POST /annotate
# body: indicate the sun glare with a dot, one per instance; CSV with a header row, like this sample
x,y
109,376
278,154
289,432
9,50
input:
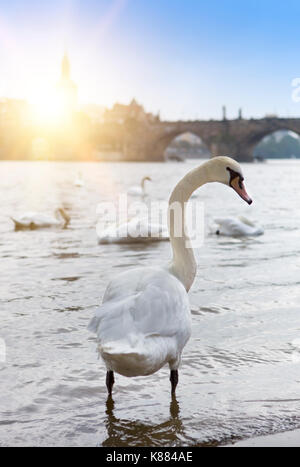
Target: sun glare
x,y
47,109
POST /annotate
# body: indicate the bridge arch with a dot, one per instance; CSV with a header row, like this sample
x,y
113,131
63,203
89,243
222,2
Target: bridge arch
x,y
263,144
236,138
186,145
159,145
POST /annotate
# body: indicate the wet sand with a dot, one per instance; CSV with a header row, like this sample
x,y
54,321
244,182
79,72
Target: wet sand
x,y
287,439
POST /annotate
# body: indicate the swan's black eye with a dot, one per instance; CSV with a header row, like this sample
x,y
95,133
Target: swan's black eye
x,y
233,175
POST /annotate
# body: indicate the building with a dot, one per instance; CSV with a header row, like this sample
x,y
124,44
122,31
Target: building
x,y
66,87
13,111
121,113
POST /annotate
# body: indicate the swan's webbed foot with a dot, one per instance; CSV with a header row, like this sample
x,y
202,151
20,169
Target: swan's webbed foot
x,y
174,380
110,381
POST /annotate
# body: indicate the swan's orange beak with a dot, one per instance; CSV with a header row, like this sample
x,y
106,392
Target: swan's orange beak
x,y
238,185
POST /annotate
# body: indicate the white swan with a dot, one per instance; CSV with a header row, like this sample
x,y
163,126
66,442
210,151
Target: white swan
x,y
79,182
237,227
135,231
145,321
36,220
139,190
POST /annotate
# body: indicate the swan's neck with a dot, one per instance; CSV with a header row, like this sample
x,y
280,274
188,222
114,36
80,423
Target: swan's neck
x,y
143,185
61,216
183,264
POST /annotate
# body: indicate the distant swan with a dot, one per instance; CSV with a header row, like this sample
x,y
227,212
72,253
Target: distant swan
x,y
79,182
139,190
36,220
135,231
237,227
144,321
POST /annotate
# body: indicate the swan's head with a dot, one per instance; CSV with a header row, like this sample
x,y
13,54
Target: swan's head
x,y
145,179
149,179
229,172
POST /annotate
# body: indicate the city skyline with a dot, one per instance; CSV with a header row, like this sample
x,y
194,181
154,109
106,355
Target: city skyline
x,y
182,59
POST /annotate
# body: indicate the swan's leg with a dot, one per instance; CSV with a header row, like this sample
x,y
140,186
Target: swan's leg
x,y
174,380
110,381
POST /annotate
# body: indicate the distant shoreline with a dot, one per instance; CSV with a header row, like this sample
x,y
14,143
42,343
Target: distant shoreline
x,y
200,159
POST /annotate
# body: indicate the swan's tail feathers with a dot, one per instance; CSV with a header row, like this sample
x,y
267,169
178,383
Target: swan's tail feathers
x,y
120,348
18,225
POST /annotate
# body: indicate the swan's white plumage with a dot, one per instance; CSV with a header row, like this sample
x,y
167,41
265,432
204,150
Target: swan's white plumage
x,y
39,220
34,218
79,182
144,322
139,190
237,227
135,231
135,191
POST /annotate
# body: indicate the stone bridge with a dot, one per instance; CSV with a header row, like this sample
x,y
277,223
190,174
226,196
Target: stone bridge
x,y
236,138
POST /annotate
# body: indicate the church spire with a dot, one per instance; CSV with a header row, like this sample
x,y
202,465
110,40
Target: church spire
x,y
67,89
65,67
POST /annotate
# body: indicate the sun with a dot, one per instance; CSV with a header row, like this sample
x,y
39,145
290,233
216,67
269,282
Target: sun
x,y
47,109
54,104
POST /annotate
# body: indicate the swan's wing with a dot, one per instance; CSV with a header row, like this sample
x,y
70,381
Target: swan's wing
x,y
135,190
142,228
25,220
246,221
134,230
35,219
119,234
42,220
156,307
230,226
237,227
255,228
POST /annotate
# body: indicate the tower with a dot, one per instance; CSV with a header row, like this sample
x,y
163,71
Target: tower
x,y
224,112
66,87
65,68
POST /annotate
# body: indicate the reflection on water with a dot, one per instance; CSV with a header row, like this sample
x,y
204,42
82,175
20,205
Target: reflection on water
x,y
240,370
122,432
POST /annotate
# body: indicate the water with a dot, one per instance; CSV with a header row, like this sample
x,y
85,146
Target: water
x,y
240,371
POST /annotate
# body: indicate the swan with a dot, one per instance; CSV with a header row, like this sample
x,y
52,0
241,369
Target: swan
x,y
139,190
79,182
144,321
36,220
237,227
135,231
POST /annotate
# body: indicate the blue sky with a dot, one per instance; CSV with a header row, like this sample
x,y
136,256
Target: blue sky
x,y
184,58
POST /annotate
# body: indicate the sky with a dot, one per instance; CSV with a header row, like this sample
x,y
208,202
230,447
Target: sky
x,y
182,58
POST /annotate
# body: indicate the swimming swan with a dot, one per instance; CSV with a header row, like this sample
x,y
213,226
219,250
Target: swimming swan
x,y
36,220
237,227
144,321
139,190
79,182
135,231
